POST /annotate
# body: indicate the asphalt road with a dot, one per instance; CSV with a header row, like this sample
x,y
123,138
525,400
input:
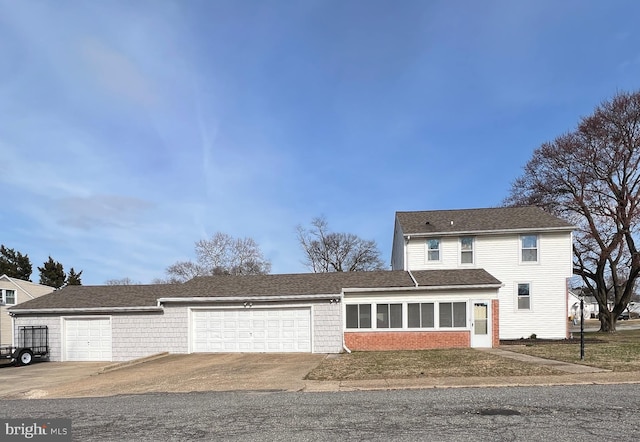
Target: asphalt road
x,y
587,412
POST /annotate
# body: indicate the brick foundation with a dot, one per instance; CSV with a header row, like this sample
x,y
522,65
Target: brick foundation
x,y
407,340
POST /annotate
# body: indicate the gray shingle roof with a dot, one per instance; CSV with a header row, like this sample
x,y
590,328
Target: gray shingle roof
x,y
478,220
87,296
427,278
294,284
330,284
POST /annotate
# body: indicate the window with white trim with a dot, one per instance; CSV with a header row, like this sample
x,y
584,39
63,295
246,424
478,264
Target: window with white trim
x,y
420,315
452,314
389,316
8,296
358,315
524,296
433,250
529,247
466,250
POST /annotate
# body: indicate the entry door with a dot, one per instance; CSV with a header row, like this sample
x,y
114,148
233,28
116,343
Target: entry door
x,y
481,324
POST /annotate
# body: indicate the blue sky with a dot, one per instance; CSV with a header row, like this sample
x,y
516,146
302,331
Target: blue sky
x,y
131,129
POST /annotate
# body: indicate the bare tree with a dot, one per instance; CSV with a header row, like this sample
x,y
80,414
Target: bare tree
x,y
591,177
337,252
221,254
122,281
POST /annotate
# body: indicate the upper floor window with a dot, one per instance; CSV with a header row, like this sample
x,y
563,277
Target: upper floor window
x,y
529,246
466,250
433,250
7,296
358,316
524,296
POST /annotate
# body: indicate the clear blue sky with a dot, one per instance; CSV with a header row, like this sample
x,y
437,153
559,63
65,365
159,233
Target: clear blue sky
x,y
131,129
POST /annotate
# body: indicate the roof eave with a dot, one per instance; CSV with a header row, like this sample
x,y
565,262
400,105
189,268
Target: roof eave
x,y
29,311
201,299
427,287
492,232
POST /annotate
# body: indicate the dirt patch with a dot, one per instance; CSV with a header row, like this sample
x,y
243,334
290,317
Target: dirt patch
x,y
425,363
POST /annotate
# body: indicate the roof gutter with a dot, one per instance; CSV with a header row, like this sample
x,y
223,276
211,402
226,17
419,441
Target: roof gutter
x,y
492,232
425,288
246,298
28,311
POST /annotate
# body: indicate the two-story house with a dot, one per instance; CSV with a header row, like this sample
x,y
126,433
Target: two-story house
x,y
528,250
460,278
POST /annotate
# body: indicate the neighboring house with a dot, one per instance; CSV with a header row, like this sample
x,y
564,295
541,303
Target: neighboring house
x,y
527,249
15,291
591,307
461,291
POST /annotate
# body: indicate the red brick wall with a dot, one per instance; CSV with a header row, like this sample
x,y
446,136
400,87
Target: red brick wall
x,y
407,340
495,322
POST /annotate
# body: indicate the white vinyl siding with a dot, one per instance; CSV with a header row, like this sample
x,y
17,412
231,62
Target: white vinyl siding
x,y
500,255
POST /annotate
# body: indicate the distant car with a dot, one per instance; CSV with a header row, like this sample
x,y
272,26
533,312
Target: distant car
x,y
625,315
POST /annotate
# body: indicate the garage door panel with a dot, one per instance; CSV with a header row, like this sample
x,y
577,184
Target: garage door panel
x,y
88,339
253,330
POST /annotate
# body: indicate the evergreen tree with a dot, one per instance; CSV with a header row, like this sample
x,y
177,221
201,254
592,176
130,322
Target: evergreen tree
x,y
15,264
73,278
52,274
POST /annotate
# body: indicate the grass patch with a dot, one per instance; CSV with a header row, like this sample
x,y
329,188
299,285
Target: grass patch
x,y
422,363
619,351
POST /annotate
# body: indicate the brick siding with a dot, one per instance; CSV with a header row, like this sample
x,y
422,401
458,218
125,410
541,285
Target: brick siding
x,y
408,340
495,323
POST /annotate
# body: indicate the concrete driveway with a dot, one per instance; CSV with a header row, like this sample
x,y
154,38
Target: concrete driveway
x,y
42,375
171,373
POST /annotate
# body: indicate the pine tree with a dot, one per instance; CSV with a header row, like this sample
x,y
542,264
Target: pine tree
x,y
52,274
73,278
15,264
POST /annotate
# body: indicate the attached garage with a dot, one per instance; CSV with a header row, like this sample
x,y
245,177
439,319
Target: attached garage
x,y
251,330
87,339
265,313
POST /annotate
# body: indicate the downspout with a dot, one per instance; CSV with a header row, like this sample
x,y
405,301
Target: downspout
x,y
406,252
344,307
406,259
412,278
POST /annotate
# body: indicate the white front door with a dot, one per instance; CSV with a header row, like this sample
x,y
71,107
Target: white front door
x,y
87,339
481,324
252,330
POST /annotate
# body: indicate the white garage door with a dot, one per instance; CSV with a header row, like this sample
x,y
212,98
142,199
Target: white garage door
x,y
252,330
87,339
